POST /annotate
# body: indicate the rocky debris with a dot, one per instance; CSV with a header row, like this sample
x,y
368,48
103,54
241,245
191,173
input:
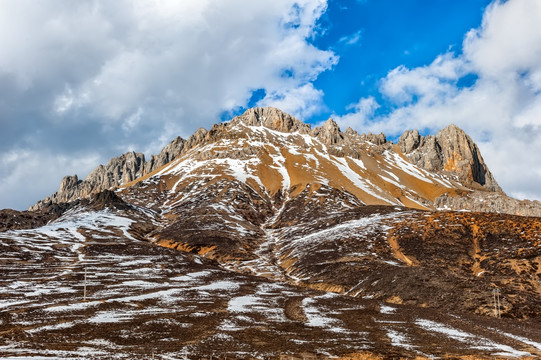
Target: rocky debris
x,y
451,151
17,220
274,119
482,201
145,301
412,257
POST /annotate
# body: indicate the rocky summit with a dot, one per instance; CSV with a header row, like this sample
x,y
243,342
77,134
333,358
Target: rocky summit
x,y
263,237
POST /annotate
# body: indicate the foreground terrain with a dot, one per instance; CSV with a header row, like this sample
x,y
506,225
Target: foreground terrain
x,y
143,299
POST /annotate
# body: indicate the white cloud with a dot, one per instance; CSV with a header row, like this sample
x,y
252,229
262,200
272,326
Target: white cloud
x,y
351,39
201,58
501,110
509,39
362,114
113,74
430,82
301,102
35,173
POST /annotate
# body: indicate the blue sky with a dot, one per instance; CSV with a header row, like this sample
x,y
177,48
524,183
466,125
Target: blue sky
x,y
374,37
81,82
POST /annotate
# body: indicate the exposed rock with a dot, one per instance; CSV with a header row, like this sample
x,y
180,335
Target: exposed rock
x,y
409,141
16,220
483,201
198,137
119,170
461,155
329,133
427,154
274,119
451,151
107,199
168,154
378,139
351,132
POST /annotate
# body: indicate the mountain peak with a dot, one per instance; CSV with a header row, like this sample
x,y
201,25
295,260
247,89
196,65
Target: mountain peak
x,y
450,150
329,132
274,119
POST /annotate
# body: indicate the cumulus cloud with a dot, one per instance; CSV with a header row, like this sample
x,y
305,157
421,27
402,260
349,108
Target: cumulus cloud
x,y
301,102
501,109
362,114
101,76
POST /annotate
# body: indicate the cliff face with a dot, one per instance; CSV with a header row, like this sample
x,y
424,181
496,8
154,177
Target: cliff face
x,y
168,154
274,119
451,151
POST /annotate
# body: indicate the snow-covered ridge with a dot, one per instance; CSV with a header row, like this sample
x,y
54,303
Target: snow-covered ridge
x,y
268,161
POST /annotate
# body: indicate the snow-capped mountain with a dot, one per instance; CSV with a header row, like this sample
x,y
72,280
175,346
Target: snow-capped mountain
x,y
263,237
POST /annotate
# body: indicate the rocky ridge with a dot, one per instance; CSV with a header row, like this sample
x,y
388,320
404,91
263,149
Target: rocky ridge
x,y
451,153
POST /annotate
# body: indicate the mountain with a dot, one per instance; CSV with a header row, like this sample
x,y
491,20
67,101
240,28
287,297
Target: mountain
x,y
263,237
444,171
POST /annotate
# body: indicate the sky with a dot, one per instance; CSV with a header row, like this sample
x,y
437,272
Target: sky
x,y
83,81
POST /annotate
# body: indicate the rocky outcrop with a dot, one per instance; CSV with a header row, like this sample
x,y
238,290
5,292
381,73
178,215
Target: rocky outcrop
x,y
107,199
274,119
376,139
483,201
329,133
17,220
119,170
450,151
168,154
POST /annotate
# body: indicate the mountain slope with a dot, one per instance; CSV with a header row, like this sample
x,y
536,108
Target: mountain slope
x,y
90,284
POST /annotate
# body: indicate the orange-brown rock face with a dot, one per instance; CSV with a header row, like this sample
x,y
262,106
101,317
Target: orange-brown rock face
x,y
452,151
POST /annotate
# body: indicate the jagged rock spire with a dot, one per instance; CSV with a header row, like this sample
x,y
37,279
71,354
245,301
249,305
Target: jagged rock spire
x,y
451,151
274,119
329,133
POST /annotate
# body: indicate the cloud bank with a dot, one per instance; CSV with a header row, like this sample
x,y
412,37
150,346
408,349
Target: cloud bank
x,y
134,74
